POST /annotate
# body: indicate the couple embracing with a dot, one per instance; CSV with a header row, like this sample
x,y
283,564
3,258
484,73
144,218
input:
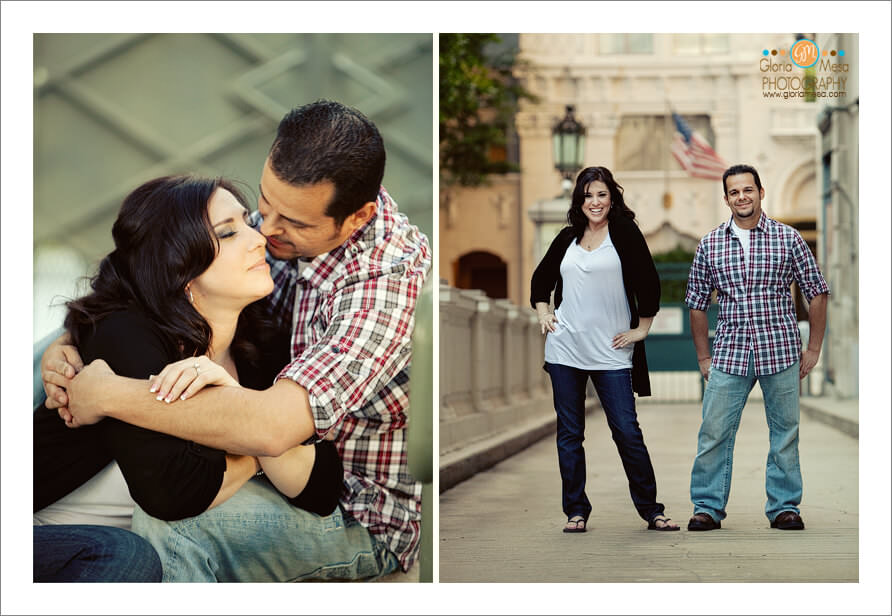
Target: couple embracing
x,y
247,373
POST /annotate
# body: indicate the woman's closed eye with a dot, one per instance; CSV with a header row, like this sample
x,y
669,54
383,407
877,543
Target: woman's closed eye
x,y
230,228
226,232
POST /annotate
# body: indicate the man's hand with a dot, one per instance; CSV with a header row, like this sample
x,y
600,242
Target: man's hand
x,y
59,364
704,365
85,393
807,361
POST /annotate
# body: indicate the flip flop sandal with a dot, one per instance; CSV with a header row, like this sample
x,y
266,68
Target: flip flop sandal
x,y
576,522
652,525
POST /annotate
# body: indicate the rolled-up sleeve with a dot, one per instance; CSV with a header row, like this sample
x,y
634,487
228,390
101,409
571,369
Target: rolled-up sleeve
x,y
364,347
805,270
699,286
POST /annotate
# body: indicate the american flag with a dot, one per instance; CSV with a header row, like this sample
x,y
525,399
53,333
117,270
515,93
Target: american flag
x,y
694,154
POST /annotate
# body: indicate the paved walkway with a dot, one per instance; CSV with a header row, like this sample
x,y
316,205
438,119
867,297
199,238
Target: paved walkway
x,y
504,525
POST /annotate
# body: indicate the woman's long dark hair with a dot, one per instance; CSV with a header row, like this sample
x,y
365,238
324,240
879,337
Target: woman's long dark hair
x,y
618,207
163,240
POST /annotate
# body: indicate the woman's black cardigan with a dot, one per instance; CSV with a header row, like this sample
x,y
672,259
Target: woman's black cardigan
x,y
640,278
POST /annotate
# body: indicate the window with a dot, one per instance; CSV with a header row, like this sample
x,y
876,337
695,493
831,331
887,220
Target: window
x,y
700,44
642,141
614,44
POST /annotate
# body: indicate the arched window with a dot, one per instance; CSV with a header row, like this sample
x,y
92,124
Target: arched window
x,y
482,270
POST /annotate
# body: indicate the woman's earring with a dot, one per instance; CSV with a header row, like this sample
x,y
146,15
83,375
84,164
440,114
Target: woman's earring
x,y
191,299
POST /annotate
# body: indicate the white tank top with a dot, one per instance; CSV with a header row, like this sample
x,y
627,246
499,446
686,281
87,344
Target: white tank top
x,y
104,500
594,310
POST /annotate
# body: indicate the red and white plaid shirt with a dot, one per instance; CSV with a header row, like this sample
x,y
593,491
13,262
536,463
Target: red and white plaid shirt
x,y
756,312
353,312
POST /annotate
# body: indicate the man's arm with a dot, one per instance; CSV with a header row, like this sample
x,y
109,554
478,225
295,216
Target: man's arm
x,y
700,334
817,322
697,298
814,287
234,419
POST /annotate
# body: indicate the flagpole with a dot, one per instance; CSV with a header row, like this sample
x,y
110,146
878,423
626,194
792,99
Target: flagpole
x,y
666,200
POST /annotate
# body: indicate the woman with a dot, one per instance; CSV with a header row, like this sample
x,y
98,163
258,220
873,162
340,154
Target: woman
x,y
178,298
606,293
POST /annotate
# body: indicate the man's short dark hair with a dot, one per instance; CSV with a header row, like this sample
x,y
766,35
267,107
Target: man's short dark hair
x,y
326,140
737,170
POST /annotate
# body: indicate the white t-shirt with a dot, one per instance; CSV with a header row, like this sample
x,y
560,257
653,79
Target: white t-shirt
x,y
103,500
744,236
594,310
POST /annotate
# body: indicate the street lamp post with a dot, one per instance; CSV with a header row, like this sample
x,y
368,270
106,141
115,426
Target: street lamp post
x,y
569,148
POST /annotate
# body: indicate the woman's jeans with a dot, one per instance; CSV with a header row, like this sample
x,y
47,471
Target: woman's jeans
x,y
88,553
614,388
723,403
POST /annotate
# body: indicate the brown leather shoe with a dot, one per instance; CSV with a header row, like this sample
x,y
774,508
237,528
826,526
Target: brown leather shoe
x,y
788,520
703,521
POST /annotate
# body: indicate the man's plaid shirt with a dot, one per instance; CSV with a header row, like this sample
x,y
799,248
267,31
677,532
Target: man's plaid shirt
x,y
352,312
756,312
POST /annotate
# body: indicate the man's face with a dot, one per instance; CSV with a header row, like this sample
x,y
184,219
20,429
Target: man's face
x,y
294,220
744,198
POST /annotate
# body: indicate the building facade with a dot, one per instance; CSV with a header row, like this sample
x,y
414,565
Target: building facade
x,y
742,92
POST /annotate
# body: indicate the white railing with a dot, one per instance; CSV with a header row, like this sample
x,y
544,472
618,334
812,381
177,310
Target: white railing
x,y
491,376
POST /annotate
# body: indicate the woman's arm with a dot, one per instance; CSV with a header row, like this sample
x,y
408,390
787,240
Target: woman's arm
x,y
547,319
288,472
547,273
647,287
169,477
633,335
239,470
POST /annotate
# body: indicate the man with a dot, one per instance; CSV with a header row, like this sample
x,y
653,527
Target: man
x,y
348,270
751,262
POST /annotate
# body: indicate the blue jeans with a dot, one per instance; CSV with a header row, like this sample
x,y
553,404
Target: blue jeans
x,y
87,553
614,388
723,402
257,536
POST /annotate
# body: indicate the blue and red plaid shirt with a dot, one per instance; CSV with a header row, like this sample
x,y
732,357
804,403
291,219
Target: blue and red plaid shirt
x,y
352,311
756,312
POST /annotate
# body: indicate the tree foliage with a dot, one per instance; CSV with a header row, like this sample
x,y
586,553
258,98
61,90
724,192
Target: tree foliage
x,y
674,284
478,99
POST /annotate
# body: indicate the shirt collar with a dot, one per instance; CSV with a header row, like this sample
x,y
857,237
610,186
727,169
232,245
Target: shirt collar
x,y
319,270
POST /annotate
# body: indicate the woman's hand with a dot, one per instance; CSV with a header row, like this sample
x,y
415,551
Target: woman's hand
x,y
630,337
184,378
547,321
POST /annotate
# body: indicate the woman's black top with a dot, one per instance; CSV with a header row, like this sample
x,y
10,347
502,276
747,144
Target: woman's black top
x,y
640,278
170,478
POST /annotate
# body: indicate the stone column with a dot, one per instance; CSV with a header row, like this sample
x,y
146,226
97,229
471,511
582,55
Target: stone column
x,y
478,350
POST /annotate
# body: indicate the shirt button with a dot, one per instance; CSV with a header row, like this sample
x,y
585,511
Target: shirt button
x,y
335,349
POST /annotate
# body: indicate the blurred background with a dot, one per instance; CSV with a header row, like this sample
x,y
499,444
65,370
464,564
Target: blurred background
x,y
114,110
522,114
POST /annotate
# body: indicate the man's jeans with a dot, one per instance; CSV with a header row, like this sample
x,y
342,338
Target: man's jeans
x,y
87,553
614,388
723,402
257,536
